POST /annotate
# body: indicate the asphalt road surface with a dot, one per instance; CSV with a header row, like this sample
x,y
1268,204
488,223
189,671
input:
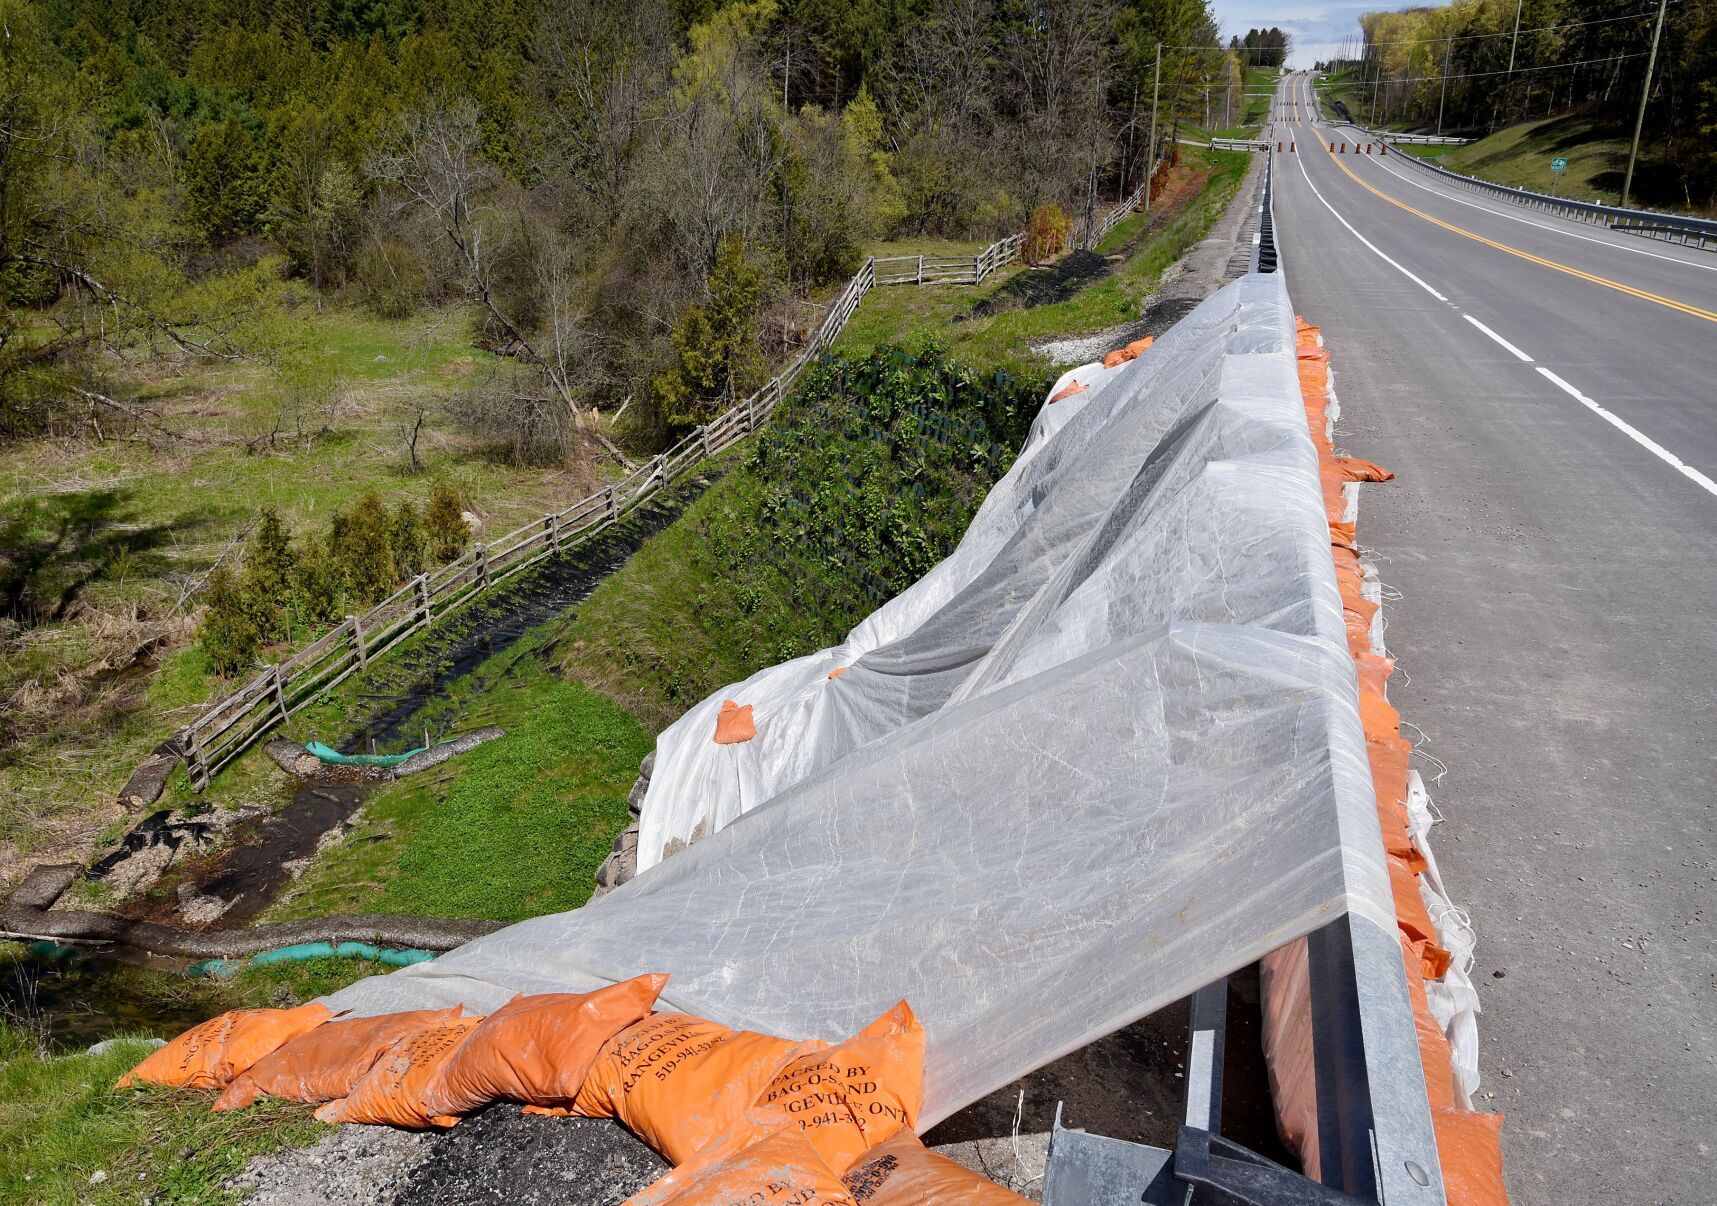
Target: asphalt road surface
x,y
1546,393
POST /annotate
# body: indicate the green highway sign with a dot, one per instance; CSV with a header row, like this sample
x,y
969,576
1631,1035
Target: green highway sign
x,y
1558,164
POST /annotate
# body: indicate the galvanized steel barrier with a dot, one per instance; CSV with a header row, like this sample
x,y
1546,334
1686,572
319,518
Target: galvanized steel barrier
x,y
1676,228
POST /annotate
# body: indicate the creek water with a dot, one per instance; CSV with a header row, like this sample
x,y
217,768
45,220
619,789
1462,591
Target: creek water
x,y
79,997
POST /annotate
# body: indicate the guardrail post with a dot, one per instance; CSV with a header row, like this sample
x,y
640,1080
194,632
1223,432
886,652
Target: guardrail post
x,y
423,598
358,646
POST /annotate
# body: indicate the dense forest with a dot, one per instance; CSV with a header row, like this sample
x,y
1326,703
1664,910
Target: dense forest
x,y
634,199
1571,56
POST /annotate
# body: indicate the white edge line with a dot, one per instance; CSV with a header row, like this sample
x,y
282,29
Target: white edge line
x,y
1498,338
1633,433
1374,249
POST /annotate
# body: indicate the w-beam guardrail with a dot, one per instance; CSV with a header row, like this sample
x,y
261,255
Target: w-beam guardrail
x,y
1675,228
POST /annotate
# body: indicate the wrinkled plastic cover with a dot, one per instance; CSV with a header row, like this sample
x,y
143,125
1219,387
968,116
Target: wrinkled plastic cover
x,y
1106,752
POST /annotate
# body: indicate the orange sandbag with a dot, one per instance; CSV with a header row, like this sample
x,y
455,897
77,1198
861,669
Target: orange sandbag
x,y
901,1171
1140,346
326,1062
210,1055
538,1048
1354,469
392,1092
733,724
1118,356
780,1169
1469,1146
855,1094
1067,391
682,1083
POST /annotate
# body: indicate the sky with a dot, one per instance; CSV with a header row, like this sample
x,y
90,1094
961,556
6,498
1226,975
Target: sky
x,y
1316,26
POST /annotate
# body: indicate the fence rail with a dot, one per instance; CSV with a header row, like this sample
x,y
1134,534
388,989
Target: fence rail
x,y
227,728
1091,235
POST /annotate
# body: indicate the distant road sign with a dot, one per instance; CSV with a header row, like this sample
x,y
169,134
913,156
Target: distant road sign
x,y
1558,164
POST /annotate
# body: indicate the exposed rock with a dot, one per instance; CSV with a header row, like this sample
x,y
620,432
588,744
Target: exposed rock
x,y
620,865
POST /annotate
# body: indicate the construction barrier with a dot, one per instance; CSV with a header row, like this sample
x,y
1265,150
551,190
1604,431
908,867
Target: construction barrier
x,y
1109,750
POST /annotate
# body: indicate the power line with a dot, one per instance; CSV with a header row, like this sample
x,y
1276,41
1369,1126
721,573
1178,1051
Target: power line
x,y
1473,75
1508,33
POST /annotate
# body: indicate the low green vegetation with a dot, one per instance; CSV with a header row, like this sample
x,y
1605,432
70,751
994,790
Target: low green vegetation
x,y
69,1136
867,477
510,830
1519,156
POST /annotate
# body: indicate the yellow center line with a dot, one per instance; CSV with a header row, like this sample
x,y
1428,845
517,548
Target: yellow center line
x,y
1605,281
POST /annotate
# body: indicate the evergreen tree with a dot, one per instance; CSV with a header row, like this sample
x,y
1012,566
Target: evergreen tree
x,y
266,582
230,636
447,532
409,554
716,343
223,177
362,549
317,590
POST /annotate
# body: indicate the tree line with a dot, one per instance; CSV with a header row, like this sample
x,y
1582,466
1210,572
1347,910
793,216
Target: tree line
x,y
635,198
1571,56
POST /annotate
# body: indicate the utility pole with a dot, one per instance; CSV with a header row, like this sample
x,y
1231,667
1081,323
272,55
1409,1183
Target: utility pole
x,y
1645,92
1512,46
1151,162
1448,45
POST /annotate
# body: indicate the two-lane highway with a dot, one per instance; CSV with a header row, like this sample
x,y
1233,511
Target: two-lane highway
x,y
1546,392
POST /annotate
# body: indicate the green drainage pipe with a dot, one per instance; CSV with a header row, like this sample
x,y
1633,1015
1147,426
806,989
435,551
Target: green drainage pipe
x,y
298,952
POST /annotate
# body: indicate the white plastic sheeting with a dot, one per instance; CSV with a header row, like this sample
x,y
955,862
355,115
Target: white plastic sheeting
x,y
1106,752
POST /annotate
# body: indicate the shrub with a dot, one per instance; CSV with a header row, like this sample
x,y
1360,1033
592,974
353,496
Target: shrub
x,y
1046,236
266,582
446,531
230,635
409,557
317,590
359,540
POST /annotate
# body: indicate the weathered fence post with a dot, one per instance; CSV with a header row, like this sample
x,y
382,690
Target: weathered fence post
x,y
551,525
358,641
195,762
920,279
423,598
279,692
703,438
483,564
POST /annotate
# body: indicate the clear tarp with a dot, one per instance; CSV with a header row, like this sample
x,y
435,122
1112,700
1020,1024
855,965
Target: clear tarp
x,y
1104,753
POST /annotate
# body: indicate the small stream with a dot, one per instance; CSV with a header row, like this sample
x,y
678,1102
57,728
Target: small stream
x,y
79,997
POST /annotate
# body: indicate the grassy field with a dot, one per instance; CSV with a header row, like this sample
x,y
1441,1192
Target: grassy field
x,y
514,829
319,424
1520,156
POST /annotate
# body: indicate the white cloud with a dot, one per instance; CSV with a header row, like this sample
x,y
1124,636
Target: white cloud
x,y
1317,29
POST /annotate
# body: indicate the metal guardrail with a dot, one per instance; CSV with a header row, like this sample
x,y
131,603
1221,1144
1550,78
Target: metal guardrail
x,y
1420,140
1239,144
1689,231
1264,254
227,728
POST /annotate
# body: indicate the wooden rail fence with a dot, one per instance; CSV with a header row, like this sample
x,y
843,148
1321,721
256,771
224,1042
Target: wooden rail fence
x,y
229,727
